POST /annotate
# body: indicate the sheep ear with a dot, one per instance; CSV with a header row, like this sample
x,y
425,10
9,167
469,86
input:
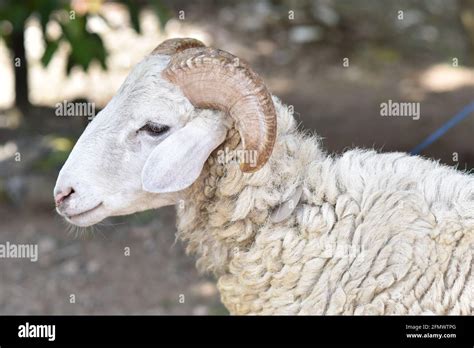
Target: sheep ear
x,y
178,160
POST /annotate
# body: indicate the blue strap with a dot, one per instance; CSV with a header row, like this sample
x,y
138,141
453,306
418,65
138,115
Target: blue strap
x,y
444,128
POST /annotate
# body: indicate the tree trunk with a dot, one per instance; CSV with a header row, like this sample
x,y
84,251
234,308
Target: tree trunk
x,y
20,70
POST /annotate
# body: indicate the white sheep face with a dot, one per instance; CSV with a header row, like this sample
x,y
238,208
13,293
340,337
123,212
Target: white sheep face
x,y
139,152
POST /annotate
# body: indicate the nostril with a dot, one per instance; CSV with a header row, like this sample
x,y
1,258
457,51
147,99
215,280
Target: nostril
x,y
63,195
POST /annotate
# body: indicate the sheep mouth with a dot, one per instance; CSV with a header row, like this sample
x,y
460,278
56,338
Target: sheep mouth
x,y
84,213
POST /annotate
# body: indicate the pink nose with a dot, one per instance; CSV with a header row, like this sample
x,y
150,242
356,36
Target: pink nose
x,y
63,195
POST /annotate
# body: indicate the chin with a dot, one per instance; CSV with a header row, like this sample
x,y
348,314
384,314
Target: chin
x,y
88,218
83,221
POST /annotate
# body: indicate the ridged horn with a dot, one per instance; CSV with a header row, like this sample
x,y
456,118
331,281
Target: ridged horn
x,y
172,46
215,79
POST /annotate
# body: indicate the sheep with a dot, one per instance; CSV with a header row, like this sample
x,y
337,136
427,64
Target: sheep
x,y
285,227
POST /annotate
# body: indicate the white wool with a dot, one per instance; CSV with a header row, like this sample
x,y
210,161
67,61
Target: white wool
x,y
371,234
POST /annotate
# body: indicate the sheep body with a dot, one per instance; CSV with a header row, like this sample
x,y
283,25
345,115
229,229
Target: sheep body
x,y
371,234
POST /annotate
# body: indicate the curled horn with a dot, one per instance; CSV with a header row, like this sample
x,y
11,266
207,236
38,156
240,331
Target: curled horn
x,y
215,79
172,46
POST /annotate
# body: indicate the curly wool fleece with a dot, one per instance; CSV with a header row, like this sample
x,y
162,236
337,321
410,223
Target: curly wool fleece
x,y
372,233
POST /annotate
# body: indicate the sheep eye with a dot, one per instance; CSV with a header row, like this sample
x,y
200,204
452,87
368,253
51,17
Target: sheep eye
x,y
154,129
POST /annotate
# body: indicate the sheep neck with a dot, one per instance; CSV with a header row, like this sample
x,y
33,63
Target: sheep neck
x,y
223,212
203,215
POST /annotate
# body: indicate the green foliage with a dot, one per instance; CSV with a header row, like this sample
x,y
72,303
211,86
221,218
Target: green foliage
x,y
51,47
53,161
59,149
162,12
85,45
134,15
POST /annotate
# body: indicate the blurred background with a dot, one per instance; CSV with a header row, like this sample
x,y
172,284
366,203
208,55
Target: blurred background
x,y
334,61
